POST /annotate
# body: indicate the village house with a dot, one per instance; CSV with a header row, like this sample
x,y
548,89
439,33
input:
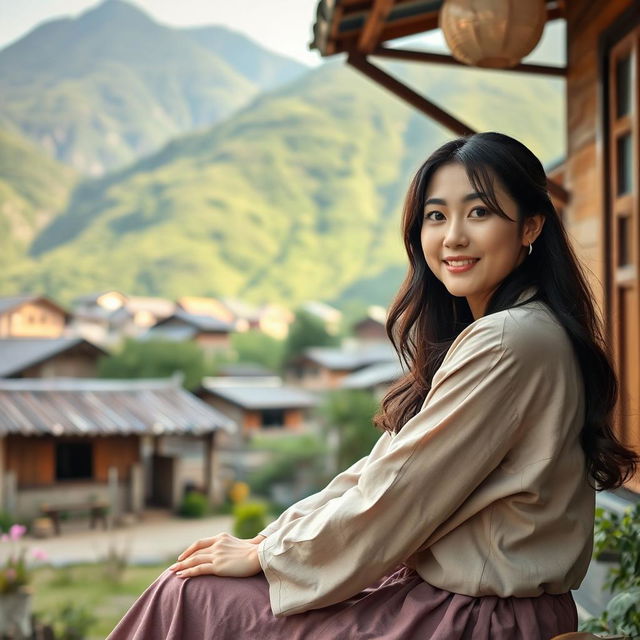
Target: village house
x,y
372,327
31,316
324,368
376,378
109,316
210,334
70,444
49,358
258,403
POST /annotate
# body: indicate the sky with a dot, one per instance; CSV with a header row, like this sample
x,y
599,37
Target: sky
x,y
288,23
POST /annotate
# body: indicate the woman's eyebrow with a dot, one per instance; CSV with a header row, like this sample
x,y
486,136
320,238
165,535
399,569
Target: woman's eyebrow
x,y
469,196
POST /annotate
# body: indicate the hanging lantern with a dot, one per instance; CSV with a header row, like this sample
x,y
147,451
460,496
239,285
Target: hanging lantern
x,y
492,33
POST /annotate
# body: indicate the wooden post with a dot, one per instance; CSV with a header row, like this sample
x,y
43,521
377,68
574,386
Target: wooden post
x,y
212,471
2,466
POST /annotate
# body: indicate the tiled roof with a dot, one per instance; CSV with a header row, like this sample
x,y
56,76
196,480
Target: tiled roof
x,y
16,354
72,406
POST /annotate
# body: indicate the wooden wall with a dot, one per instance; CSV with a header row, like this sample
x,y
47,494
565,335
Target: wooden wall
x,y
32,459
589,175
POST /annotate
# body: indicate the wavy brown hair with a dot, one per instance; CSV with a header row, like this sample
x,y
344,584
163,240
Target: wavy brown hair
x,y
424,318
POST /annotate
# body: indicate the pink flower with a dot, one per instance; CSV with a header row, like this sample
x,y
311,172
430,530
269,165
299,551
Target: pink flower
x,y
17,531
39,554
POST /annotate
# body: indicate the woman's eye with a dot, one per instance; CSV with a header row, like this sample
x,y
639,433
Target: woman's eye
x,y
428,215
484,211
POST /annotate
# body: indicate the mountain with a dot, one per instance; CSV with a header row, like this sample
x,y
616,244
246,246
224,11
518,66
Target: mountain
x,y
112,85
33,188
296,196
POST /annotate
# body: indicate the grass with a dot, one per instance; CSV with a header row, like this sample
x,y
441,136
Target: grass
x,y
86,586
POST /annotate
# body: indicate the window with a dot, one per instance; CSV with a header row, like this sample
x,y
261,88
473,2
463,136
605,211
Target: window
x,y
74,460
272,418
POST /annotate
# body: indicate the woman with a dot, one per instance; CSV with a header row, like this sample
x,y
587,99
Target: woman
x,y
472,517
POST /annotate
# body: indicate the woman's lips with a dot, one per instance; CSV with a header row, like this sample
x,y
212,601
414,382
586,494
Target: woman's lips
x,y
462,268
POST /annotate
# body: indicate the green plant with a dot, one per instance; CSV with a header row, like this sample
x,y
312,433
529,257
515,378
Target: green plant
x,y
115,563
194,505
6,520
14,570
618,536
290,455
72,621
249,519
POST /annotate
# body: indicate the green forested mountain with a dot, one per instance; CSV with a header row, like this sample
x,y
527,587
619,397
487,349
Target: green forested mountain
x,y
33,188
112,85
296,196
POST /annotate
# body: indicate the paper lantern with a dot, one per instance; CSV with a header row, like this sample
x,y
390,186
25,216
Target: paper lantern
x,y
492,33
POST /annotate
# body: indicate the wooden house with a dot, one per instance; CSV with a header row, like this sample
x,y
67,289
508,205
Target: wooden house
x,y
210,334
258,403
372,327
75,442
31,317
49,358
324,368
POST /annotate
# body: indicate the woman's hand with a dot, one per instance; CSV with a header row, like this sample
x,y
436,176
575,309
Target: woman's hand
x,y
221,555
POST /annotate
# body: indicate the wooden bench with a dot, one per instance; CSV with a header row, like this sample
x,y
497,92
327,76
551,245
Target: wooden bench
x,y
97,512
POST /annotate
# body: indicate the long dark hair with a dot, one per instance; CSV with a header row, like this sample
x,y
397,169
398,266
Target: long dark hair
x,y
424,318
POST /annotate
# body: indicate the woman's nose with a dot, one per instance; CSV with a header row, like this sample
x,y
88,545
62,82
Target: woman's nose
x,y
455,235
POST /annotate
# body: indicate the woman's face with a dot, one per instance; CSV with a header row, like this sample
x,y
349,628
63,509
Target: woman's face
x,y
457,224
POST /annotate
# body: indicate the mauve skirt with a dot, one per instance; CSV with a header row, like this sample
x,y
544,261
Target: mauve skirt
x,y
399,606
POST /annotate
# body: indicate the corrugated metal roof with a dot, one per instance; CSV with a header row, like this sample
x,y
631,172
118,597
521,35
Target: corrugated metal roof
x,y
373,375
349,359
249,396
74,406
16,354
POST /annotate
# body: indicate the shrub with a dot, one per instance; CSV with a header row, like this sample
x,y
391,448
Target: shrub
x,y
72,622
194,505
250,519
619,537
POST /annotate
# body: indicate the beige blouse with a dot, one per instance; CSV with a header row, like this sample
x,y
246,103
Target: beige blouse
x,y
483,492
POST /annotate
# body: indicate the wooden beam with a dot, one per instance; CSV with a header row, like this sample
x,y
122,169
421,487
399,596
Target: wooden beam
x,y
360,62
370,34
437,58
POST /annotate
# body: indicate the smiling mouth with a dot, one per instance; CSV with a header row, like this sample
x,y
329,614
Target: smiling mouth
x,y
460,263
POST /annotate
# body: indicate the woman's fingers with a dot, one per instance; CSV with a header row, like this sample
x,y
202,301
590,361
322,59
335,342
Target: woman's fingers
x,y
198,570
198,544
192,561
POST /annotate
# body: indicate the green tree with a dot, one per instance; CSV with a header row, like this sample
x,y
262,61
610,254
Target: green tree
x,y
306,331
258,347
155,359
349,413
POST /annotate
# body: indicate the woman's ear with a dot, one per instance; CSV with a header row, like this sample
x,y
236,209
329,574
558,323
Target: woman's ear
x,y
532,228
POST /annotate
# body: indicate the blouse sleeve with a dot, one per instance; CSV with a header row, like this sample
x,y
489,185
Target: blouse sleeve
x,y
467,424
343,481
